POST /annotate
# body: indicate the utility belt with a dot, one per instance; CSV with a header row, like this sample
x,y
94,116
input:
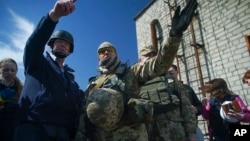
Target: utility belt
x,y
161,108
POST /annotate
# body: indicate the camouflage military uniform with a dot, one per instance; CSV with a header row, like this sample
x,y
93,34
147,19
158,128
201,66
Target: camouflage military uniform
x,y
131,77
175,125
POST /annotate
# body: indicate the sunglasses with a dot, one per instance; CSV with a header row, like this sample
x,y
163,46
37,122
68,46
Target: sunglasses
x,y
103,50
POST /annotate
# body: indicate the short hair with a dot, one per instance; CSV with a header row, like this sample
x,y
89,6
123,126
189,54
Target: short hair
x,y
246,76
174,66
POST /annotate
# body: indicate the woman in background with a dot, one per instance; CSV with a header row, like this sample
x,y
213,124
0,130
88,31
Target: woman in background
x,y
246,80
212,109
10,89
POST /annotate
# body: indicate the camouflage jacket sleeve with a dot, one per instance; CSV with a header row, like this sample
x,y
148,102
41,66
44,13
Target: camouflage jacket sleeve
x,y
158,64
190,122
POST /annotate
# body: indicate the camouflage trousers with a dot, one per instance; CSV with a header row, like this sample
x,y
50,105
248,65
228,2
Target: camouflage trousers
x,y
163,129
124,133
128,133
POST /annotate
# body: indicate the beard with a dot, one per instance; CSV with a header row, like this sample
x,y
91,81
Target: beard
x,y
59,54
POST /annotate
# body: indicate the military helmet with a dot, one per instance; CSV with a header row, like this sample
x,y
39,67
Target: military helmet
x,y
105,107
106,45
64,35
146,50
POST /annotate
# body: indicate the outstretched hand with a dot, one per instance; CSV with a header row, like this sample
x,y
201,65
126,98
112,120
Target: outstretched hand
x,y
181,20
62,8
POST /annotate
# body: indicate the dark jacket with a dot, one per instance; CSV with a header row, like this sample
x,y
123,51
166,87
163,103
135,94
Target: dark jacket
x,y
194,99
220,127
50,95
8,113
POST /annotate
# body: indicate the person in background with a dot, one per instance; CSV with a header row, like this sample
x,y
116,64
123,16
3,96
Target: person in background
x,y
246,78
196,103
113,95
168,120
10,89
212,109
51,99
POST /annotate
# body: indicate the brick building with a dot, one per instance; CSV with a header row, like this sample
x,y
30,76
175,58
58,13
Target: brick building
x,y
216,44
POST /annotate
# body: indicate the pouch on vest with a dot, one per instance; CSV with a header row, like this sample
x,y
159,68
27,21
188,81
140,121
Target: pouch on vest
x,y
140,110
163,92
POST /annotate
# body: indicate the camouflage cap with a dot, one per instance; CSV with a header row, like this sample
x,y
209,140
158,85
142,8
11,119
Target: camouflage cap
x,y
106,45
105,108
145,50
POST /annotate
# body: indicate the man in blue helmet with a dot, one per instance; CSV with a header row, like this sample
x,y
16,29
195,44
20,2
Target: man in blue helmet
x,y
50,100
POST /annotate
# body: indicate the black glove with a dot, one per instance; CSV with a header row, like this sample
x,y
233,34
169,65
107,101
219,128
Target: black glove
x,y
181,21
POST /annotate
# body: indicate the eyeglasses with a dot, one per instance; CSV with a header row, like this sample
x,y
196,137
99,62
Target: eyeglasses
x,y
103,50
